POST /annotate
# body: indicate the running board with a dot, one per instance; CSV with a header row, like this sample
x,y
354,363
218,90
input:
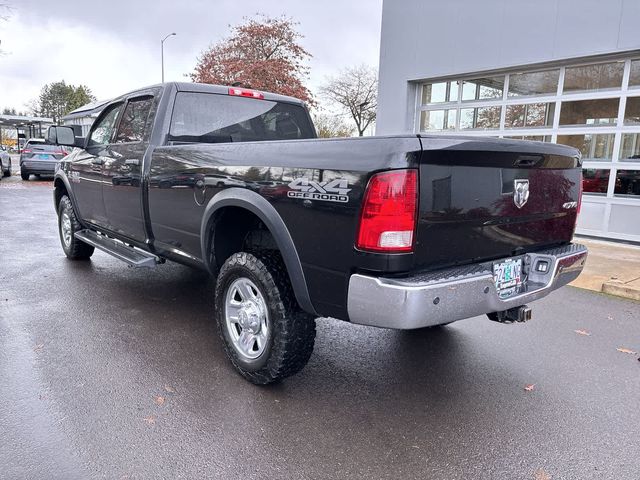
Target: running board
x,y
133,256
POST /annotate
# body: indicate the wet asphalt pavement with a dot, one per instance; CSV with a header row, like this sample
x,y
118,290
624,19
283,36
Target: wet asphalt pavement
x,y
111,372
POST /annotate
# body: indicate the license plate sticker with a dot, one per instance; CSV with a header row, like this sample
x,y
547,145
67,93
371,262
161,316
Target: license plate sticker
x,y
507,277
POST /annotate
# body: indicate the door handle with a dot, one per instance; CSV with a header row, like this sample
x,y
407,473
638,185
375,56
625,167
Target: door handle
x,y
132,161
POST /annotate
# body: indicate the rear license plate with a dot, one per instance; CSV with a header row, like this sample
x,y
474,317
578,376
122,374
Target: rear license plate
x,y
507,277
43,157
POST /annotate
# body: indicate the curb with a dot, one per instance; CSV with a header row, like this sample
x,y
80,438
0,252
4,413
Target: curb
x,y
619,289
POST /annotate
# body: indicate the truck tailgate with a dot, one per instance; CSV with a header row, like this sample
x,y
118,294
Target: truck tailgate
x,y
482,199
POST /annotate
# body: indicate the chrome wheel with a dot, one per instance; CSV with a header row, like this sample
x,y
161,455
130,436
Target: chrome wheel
x,y
246,318
65,228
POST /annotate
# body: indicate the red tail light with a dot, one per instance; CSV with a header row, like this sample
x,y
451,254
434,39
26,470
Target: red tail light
x,y
580,195
388,219
26,150
243,92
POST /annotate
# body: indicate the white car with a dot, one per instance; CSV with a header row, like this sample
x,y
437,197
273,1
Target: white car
x,y
5,163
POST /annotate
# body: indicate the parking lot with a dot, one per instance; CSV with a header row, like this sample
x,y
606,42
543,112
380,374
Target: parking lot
x,y
111,372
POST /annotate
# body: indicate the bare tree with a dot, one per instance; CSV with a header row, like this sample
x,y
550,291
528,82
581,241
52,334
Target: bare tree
x,y
331,126
355,90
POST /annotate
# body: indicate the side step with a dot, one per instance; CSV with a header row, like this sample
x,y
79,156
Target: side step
x,y
133,256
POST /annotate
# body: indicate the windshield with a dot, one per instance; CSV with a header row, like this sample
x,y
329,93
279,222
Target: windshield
x,y
214,118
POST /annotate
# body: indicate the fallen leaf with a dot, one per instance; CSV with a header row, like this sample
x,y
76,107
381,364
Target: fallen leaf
x,y
169,389
540,474
582,332
158,400
626,350
151,419
38,347
529,388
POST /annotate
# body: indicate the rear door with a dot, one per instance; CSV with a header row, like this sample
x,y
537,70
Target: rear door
x,y
86,168
122,170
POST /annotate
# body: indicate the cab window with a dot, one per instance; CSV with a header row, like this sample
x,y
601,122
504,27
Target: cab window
x,y
103,131
134,121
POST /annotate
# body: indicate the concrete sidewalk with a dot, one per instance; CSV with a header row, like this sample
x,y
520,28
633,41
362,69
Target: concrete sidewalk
x,y
612,268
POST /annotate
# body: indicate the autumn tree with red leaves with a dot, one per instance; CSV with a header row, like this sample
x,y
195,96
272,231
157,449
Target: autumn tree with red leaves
x,y
263,53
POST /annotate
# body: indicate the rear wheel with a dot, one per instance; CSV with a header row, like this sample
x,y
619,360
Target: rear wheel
x,y
265,334
68,225
8,172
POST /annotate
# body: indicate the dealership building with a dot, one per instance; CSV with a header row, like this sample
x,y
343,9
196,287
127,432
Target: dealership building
x,y
565,71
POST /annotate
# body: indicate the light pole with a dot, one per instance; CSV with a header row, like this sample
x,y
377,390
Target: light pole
x,y
162,53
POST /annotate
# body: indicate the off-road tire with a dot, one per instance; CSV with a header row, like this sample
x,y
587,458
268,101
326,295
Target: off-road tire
x,y
291,331
75,249
25,176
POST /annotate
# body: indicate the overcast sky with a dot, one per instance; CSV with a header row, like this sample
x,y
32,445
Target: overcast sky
x,y
113,46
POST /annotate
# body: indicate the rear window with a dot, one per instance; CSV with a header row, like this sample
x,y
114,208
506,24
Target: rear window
x,y
214,118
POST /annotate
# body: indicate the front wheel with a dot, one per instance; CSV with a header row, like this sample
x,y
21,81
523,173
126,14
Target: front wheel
x,y
265,334
68,225
25,176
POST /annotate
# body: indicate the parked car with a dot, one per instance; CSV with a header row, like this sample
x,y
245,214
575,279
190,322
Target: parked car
x,y
5,163
403,232
38,158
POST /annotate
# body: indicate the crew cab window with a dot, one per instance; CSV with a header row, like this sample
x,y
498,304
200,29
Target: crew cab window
x,y
214,118
103,131
134,120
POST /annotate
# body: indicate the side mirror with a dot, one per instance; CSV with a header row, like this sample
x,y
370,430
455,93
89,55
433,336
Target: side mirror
x,y
61,136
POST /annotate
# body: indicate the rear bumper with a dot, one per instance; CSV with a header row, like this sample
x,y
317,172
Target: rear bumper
x,y
447,295
38,167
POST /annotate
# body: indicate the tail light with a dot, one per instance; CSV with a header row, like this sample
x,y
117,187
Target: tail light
x,y
26,150
388,219
243,92
580,195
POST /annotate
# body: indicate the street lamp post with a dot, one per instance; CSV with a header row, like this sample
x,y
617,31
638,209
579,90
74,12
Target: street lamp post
x,y
162,53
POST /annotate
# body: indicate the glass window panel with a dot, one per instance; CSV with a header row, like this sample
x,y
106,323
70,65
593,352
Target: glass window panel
x,y
483,88
632,111
530,115
603,76
590,112
488,117
466,118
453,91
533,138
597,147
627,183
634,76
438,120
630,149
434,93
483,117
514,118
534,83
595,181
439,92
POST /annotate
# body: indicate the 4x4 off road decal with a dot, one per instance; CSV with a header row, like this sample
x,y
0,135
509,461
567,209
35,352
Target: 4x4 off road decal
x,y
330,191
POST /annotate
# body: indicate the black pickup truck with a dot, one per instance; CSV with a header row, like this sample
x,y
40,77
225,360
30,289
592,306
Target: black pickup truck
x,y
401,232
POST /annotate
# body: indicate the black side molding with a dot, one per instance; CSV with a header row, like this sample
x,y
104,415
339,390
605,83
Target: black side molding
x,y
259,206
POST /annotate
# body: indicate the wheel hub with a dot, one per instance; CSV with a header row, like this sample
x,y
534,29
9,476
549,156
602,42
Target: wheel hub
x,y
250,317
246,318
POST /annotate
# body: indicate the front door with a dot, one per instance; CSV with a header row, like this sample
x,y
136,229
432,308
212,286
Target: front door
x,y
122,172
86,169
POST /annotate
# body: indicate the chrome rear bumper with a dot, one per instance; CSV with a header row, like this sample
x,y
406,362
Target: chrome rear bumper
x,y
444,296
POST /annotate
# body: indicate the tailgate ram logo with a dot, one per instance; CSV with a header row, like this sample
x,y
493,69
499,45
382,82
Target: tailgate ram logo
x,y
330,191
520,192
